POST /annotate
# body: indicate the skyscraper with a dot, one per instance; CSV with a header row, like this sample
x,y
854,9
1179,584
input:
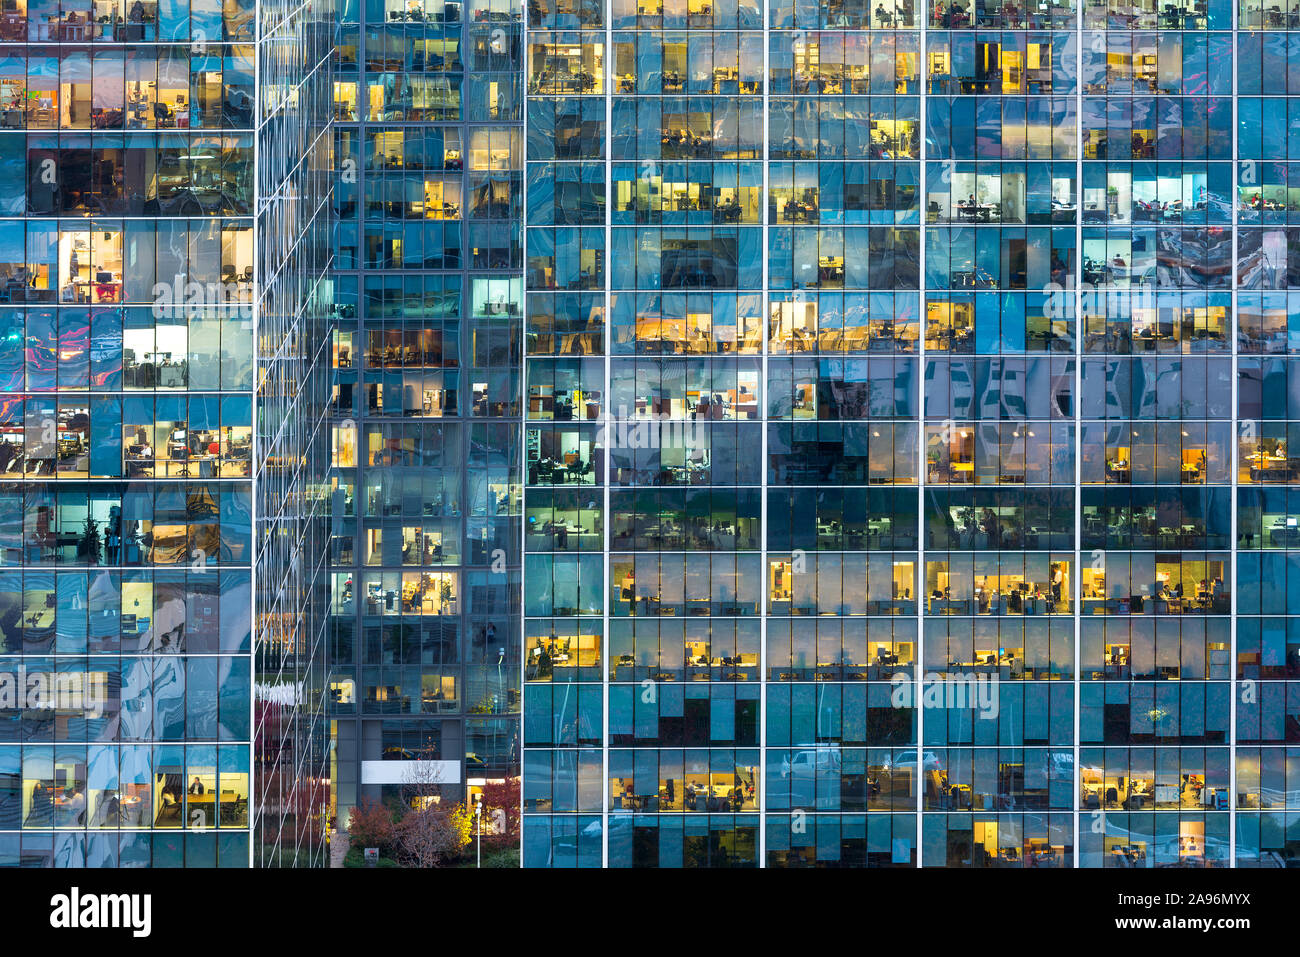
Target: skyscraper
x,y
166,195
788,434
904,453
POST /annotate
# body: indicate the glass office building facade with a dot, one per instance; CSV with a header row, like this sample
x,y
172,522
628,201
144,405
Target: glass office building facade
x,y
426,407
906,434
163,238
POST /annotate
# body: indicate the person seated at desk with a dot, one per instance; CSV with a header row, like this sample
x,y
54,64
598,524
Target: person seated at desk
x,y
989,525
196,787
74,805
139,459
545,666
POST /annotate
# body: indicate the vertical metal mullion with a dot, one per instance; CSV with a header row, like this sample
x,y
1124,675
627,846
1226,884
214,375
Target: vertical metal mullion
x,y
764,593
919,576
255,817
1075,584
608,94
524,369
1235,451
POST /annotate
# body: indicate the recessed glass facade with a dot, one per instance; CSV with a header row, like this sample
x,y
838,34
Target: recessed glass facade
x,y
905,457
426,405
153,294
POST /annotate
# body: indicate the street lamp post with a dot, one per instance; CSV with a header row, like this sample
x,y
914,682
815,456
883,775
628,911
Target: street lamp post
x,y
478,820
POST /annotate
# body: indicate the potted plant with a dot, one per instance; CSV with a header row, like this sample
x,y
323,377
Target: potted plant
x,y
91,546
933,457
